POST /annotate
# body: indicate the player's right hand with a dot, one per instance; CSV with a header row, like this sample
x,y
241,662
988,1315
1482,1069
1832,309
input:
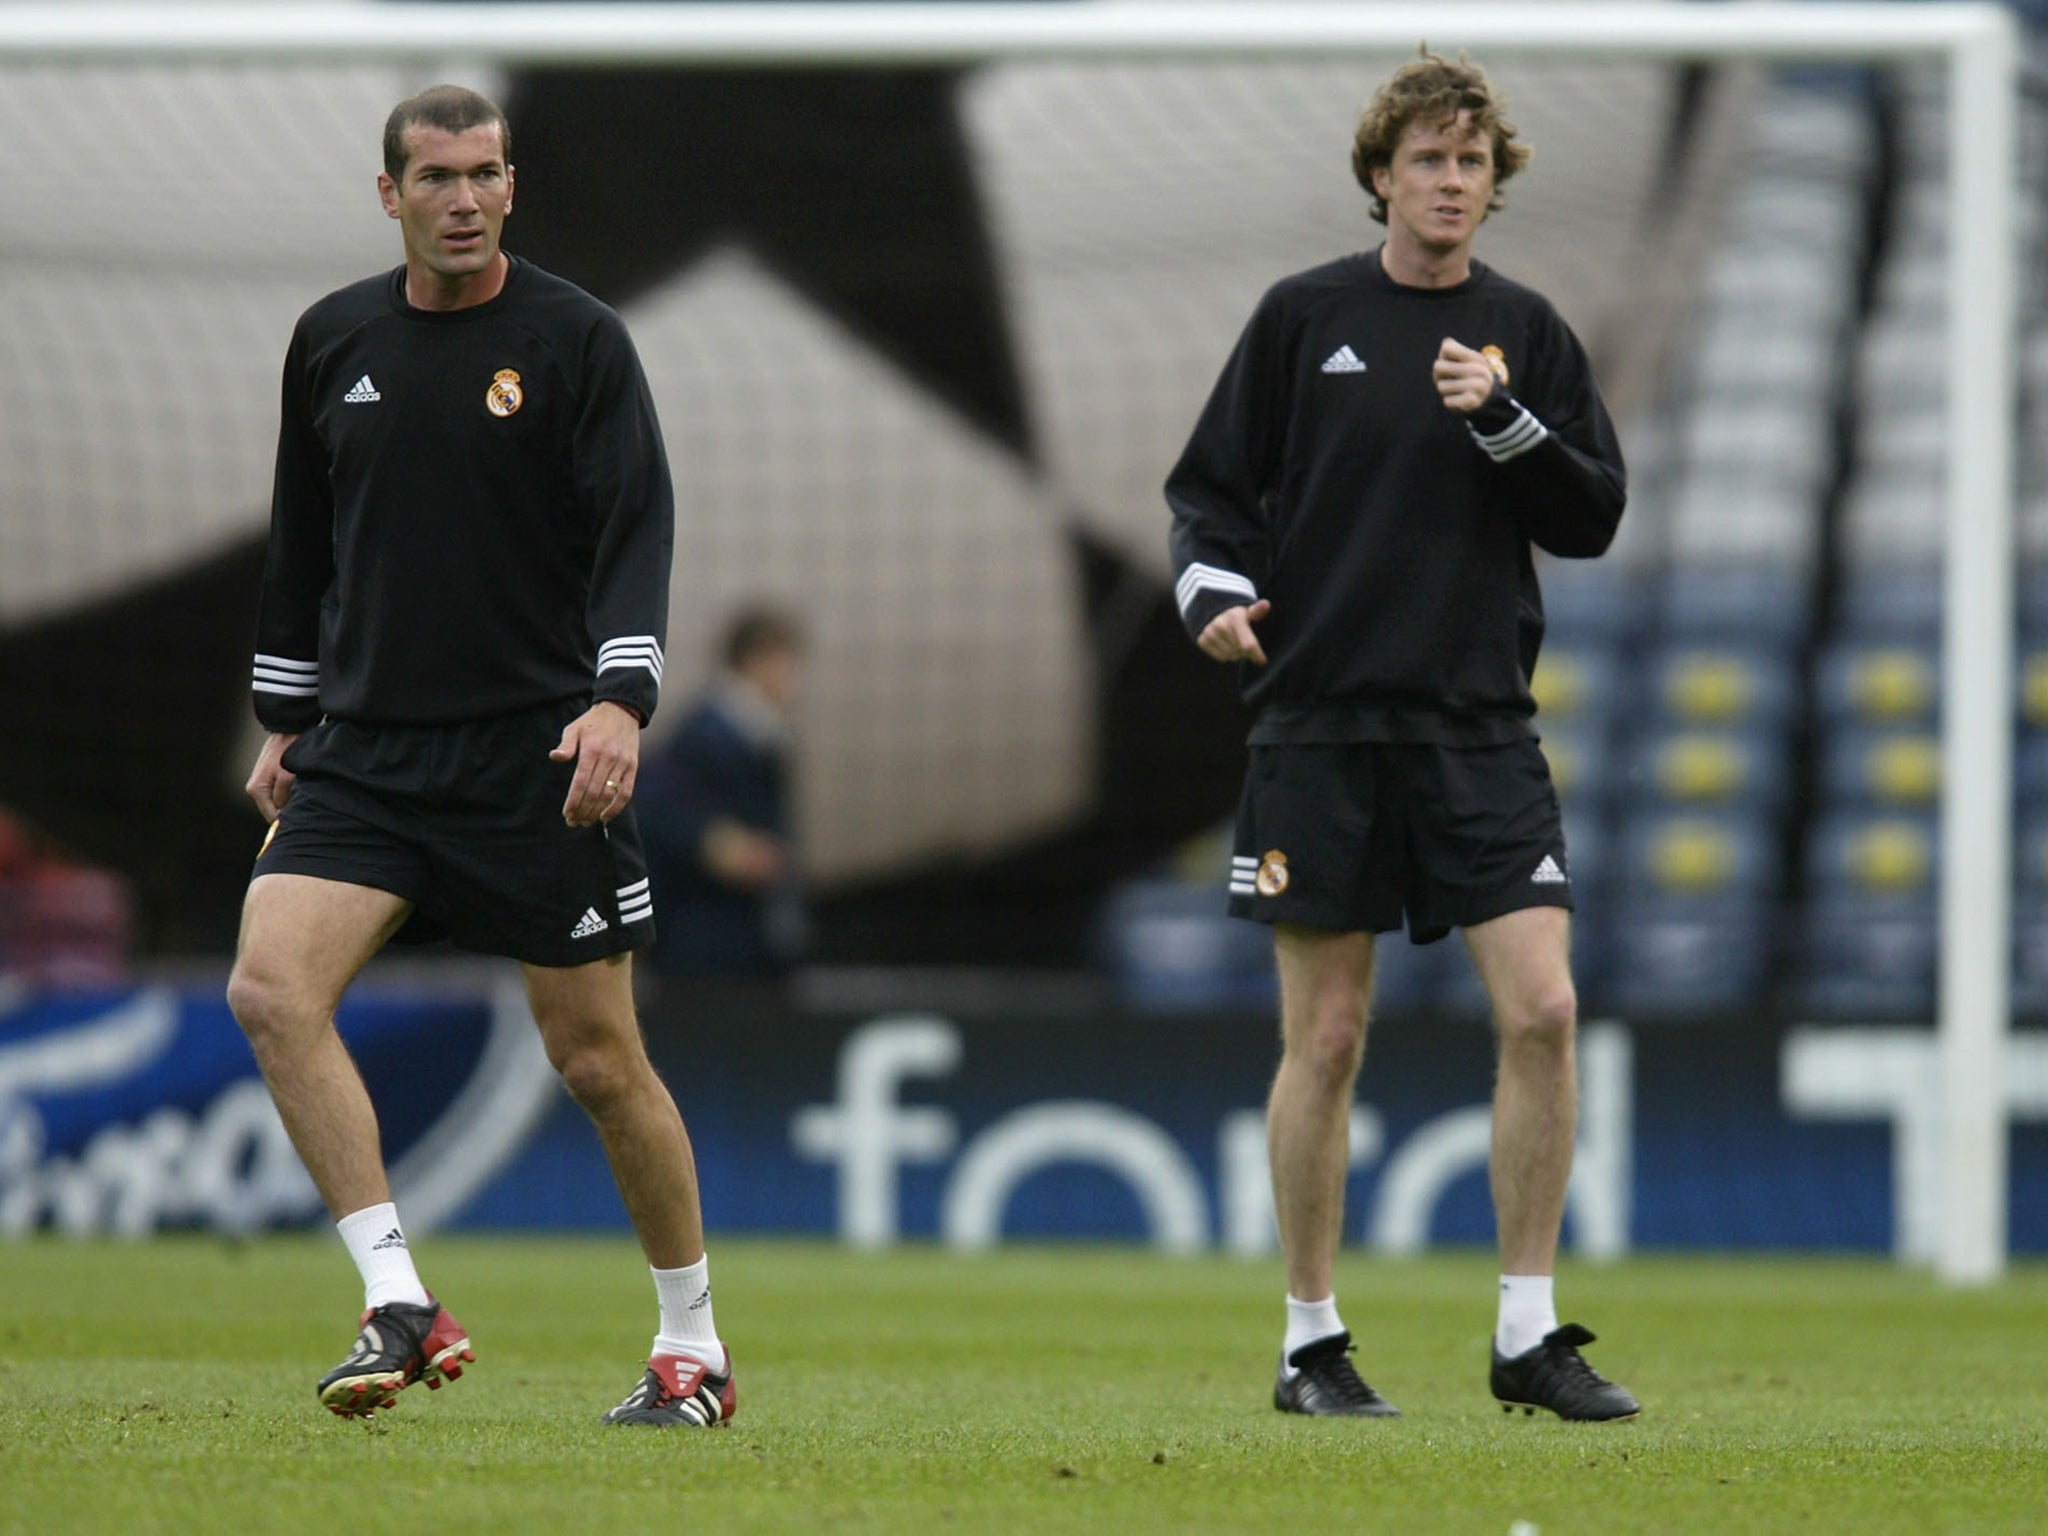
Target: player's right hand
x,y
270,782
1229,637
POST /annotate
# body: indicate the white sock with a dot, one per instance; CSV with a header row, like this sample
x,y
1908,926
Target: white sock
x,y
1308,1321
686,1325
376,1242
1528,1311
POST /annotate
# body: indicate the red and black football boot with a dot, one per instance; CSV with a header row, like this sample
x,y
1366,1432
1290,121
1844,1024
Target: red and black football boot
x,y
400,1343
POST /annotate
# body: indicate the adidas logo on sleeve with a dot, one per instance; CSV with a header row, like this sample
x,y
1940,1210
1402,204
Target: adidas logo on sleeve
x,y
1548,873
589,925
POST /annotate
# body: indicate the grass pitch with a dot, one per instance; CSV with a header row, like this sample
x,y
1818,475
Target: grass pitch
x,y
168,1387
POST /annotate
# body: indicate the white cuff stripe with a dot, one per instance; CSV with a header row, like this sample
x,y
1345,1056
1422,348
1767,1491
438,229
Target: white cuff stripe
x,y
1243,888
286,676
1198,578
640,644
637,912
621,662
1513,440
629,890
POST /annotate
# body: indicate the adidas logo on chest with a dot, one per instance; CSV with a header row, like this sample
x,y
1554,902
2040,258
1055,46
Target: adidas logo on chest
x,y
362,392
1343,360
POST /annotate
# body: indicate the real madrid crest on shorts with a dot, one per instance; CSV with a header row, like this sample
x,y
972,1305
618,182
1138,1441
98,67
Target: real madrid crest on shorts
x,y
504,396
1497,360
1272,876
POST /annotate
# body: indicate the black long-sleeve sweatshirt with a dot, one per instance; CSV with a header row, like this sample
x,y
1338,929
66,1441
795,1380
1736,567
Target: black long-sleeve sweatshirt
x,y
472,511
1391,534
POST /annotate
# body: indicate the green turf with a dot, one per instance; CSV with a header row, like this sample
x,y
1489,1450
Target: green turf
x,y
168,1387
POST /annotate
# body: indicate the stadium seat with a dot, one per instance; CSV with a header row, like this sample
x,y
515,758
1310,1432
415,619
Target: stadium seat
x,y
1720,685
2030,956
2030,855
1866,855
1170,947
1868,957
1791,438
1578,682
1869,936
1697,855
1742,769
1583,765
2031,599
1758,605
1590,602
1879,683
1881,602
1677,957
2030,683
1875,766
2030,771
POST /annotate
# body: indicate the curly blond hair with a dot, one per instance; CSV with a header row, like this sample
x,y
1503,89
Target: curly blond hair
x,y
1433,89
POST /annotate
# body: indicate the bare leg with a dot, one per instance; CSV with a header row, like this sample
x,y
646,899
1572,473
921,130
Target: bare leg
x,y
302,942
592,1035
1325,988
1524,959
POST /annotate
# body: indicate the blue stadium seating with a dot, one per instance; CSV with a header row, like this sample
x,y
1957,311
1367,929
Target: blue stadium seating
x,y
1869,934
1878,855
1692,928
1169,946
1745,770
1876,766
1591,601
1678,956
1707,856
1879,682
1890,603
1765,606
1581,683
1720,683
1868,957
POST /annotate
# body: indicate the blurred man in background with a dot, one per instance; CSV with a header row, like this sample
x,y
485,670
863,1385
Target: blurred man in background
x,y
1352,519
714,808
458,645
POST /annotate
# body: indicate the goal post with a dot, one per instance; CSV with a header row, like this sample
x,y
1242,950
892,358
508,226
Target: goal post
x,y
1978,44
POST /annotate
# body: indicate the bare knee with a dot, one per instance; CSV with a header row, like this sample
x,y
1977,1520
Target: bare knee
x,y
1331,1041
270,1007
1542,1021
599,1073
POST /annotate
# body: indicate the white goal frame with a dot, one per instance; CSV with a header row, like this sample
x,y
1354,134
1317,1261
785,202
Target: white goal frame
x,y
1977,43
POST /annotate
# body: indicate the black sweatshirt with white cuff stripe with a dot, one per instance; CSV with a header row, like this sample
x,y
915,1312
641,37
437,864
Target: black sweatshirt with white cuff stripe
x,y
472,511
1391,534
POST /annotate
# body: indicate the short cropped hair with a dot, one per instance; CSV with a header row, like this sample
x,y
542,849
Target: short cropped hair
x,y
757,631
1434,90
452,109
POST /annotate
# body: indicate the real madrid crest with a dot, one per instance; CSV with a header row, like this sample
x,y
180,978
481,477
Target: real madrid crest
x,y
1272,877
504,396
1497,361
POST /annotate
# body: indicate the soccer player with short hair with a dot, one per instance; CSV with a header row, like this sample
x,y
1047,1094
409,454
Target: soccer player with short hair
x,y
459,641
1352,520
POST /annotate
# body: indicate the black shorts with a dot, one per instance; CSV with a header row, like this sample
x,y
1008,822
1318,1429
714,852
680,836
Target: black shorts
x,y
1351,838
465,822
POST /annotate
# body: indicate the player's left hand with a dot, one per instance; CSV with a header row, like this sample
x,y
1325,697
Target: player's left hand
x,y
604,743
1464,378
